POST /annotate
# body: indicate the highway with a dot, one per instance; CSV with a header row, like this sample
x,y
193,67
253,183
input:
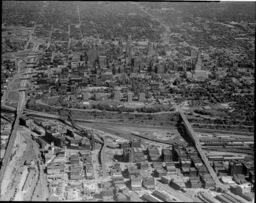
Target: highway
x,y
21,104
80,22
50,38
167,28
79,18
197,144
12,137
33,30
69,39
10,84
19,111
102,157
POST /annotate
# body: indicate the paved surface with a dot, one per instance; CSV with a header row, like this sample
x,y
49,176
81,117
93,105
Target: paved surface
x,y
19,111
103,157
166,27
13,135
197,144
12,176
182,197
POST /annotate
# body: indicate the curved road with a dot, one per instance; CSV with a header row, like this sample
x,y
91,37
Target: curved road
x,y
102,157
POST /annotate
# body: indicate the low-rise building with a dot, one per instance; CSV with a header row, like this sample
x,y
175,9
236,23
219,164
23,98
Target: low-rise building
x,y
136,182
149,183
149,198
162,196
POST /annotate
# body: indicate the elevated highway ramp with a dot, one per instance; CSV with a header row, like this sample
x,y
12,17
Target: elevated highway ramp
x,y
197,144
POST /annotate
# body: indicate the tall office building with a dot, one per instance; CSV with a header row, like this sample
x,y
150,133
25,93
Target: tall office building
x,y
128,50
117,95
142,97
85,57
151,50
93,56
129,96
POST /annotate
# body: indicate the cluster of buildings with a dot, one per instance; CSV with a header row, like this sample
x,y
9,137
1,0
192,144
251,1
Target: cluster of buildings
x,y
8,69
20,17
127,75
139,167
107,25
109,79
61,135
5,134
66,172
103,67
172,166
70,171
14,38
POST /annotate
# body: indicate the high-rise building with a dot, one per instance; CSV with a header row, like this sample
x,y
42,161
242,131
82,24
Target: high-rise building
x,y
126,154
117,95
167,155
94,57
128,50
102,61
85,57
142,97
132,64
92,142
151,50
160,68
129,96
120,46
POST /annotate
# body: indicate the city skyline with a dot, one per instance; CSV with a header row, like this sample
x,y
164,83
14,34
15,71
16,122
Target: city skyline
x,y
127,101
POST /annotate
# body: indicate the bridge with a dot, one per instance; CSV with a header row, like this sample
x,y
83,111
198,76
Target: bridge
x,y
15,128
193,136
32,113
7,155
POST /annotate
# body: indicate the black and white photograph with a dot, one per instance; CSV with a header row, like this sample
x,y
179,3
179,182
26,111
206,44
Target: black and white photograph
x,y
128,101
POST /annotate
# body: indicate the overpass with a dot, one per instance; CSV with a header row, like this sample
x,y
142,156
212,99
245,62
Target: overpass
x,y
12,138
190,132
103,156
7,155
